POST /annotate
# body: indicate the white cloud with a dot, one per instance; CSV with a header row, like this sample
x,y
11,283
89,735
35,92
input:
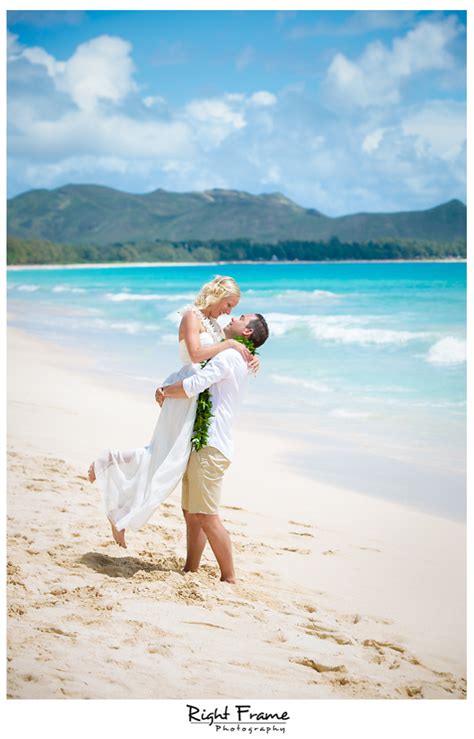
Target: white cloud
x,y
151,100
439,129
37,55
82,166
214,119
14,48
372,140
100,69
377,158
109,135
262,98
215,111
374,79
234,97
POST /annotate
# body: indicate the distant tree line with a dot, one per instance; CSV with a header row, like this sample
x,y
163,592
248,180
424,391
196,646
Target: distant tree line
x,y
20,251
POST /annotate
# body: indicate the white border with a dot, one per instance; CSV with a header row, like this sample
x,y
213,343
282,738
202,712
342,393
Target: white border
x,y
380,719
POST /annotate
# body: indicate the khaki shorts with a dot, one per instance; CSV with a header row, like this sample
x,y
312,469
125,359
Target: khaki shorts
x,y
202,481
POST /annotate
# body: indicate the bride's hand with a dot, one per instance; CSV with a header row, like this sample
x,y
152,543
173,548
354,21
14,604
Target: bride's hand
x,y
242,349
254,365
159,396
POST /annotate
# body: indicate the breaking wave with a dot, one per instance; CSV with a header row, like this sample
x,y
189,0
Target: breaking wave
x,y
171,298
447,351
346,329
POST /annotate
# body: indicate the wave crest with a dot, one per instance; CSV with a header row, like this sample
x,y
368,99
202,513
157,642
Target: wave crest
x,y
122,296
346,329
447,351
67,289
28,288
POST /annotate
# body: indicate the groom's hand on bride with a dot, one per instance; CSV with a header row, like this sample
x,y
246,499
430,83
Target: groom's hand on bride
x,y
159,396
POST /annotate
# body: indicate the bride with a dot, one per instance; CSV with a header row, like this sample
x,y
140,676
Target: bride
x,y
135,481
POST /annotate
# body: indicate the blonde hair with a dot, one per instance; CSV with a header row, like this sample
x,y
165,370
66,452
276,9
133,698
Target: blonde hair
x,y
215,290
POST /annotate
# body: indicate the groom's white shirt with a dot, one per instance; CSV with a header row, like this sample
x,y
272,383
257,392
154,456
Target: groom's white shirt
x,y
226,377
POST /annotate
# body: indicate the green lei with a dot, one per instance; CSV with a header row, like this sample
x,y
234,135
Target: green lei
x,y
204,413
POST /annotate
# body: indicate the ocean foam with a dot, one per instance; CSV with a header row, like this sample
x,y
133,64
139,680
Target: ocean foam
x,y
120,297
346,329
28,288
447,351
307,295
67,289
126,327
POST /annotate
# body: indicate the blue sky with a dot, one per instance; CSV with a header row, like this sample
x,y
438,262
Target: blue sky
x,y
343,111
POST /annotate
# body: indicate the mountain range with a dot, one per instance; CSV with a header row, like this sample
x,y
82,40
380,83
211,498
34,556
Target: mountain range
x,y
93,214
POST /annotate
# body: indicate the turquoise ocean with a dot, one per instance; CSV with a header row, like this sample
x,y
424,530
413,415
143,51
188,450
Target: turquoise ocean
x,y
365,367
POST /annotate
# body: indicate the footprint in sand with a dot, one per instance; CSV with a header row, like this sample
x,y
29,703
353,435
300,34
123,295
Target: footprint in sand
x,y
305,525
414,691
205,623
318,666
379,645
56,631
301,533
324,632
294,549
29,678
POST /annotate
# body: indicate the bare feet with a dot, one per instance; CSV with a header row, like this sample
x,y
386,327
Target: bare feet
x,y
91,473
119,536
230,580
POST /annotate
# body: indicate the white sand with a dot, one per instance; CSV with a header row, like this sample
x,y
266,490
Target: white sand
x,y
339,594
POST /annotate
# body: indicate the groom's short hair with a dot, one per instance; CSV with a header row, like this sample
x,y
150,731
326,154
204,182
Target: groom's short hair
x,y
259,330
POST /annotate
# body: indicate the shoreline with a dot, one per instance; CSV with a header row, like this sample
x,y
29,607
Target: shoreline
x,y
118,265
303,453
298,457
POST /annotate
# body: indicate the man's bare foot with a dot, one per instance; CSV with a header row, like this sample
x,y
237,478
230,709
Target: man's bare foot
x,y
91,473
119,536
230,580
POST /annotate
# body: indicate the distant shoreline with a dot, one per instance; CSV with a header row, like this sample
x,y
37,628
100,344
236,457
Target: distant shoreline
x,y
119,265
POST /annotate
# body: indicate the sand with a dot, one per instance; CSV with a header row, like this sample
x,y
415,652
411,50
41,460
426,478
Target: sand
x,y
339,595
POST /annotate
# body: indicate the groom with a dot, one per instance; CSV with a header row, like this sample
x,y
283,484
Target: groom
x,y
226,376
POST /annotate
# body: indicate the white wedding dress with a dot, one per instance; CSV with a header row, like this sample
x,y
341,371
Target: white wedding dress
x,y
135,481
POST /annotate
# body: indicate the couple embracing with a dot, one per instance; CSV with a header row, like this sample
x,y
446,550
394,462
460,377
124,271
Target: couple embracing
x,y
192,441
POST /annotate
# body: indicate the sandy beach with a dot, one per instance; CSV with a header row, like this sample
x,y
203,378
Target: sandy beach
x,y
339,595
119,265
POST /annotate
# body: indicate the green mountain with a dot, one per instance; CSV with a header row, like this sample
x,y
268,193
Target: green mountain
x,y
92,214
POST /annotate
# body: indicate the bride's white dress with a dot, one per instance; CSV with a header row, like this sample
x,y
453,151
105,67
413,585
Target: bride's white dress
x,y
135,481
